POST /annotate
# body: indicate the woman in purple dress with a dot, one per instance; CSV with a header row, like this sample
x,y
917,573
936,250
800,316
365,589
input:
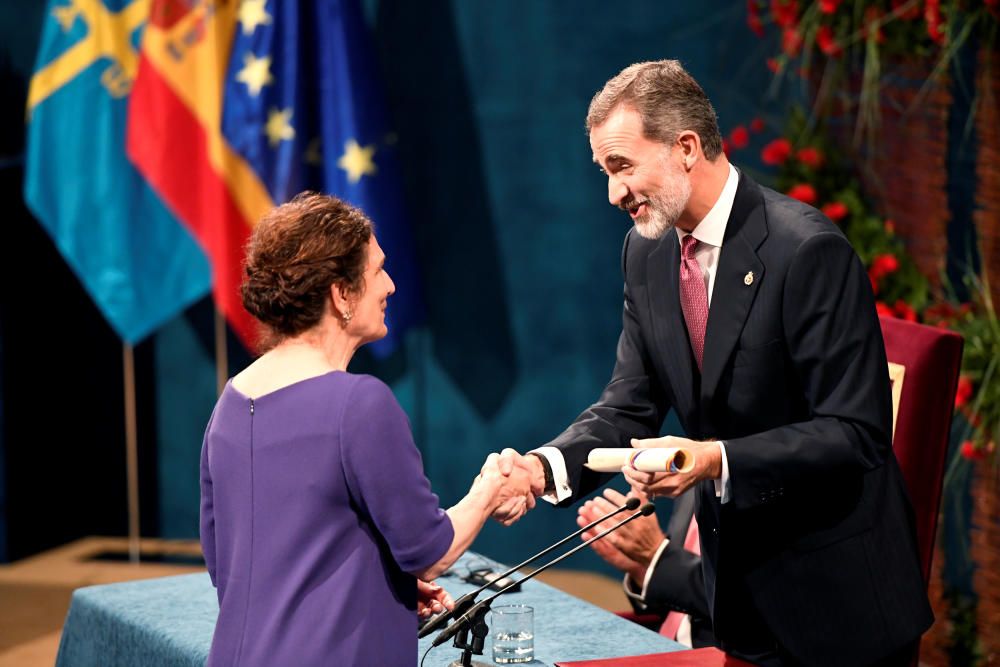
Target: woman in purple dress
x,y
316,517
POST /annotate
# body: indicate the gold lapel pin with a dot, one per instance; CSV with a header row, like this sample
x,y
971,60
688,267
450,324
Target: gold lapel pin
x,y
748,278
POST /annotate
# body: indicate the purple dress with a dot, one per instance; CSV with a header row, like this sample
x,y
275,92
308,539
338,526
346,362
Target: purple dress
x,y
314,507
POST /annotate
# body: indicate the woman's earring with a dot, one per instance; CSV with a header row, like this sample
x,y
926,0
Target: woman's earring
x,y
347,317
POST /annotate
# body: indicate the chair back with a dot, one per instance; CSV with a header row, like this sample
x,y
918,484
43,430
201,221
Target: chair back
x,y
924,363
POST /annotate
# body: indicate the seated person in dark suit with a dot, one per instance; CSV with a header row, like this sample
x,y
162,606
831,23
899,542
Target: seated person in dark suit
x,y
662,572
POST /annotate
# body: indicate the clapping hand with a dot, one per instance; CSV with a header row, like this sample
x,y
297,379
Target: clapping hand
x,y
630,548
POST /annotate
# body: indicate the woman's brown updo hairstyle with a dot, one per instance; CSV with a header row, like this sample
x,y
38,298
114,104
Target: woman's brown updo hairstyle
x,y
293,256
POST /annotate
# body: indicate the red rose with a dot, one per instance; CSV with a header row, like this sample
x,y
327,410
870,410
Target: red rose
x,y
755,24
791,42
932,14
905,311
803,192
756,125
836,211
809,156
883,265
828,6
826,42
773,65
940,314
883,309
785,12
970,451
739,137
776,152
964,391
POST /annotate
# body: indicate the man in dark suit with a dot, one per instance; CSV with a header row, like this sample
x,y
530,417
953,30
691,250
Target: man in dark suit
x,y
663,573
750,315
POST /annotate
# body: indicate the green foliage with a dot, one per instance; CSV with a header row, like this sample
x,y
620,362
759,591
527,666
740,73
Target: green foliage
x,y
831,41
873,237
980,328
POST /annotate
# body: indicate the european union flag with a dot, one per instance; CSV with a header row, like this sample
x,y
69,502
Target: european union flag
x,y
134,258
302,106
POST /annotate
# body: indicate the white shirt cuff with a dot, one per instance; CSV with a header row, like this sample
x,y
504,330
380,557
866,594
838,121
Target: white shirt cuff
x,y
652,566
628,584
722,484
559,475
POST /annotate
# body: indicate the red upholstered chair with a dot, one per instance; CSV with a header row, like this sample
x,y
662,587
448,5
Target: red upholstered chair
x,y
923,365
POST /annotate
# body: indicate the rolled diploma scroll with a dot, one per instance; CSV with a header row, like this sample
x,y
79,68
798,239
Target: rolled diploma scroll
x,y
653,459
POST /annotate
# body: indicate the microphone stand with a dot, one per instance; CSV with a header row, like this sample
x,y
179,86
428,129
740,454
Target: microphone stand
x,y
475,617
464,603
479,631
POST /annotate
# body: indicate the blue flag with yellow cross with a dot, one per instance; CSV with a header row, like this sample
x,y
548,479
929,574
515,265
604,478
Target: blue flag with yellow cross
x,y
137,262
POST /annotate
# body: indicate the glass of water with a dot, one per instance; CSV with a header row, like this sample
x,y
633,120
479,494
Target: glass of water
x,y
513,634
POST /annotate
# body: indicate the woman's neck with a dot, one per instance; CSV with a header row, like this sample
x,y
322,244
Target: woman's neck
x,y
327,344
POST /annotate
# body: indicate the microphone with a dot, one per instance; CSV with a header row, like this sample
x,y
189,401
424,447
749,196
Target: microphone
x,y
463,603
484,605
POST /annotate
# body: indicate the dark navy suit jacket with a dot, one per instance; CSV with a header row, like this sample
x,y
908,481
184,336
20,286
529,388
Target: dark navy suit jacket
x,y
815,548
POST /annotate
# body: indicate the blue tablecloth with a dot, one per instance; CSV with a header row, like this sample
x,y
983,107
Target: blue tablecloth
x,y
169,621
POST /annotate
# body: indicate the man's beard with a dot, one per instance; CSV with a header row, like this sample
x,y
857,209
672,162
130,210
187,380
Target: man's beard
x,y
666,206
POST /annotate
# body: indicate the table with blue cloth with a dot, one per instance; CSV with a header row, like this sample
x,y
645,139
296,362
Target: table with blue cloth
x,y
169,621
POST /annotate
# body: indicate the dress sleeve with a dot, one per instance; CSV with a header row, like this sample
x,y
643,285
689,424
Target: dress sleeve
x,y
385,476
207,513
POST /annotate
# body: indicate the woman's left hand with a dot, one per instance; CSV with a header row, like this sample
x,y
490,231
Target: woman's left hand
x,y
432,599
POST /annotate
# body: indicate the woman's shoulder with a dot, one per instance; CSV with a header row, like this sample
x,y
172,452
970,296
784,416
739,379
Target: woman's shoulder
x,y
368,390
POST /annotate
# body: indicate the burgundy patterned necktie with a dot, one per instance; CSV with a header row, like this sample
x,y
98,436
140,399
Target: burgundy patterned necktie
x,y
694,297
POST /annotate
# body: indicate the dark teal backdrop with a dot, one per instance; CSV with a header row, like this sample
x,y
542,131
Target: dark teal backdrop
x,y
518,247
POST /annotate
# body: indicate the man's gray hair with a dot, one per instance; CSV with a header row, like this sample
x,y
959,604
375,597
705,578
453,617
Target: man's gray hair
x,y
668,100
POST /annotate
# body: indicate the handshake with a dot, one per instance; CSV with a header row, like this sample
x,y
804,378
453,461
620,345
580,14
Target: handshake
x,y
514,482
517,481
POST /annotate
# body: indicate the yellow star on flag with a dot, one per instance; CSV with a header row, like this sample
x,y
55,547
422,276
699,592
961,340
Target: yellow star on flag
x,y
279,126
256,73
357,161
252,14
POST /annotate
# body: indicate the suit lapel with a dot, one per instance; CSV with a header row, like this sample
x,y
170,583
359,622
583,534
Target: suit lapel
x,y
731,295
672,342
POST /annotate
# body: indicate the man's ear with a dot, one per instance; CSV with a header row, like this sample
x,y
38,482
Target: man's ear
x,y
690,144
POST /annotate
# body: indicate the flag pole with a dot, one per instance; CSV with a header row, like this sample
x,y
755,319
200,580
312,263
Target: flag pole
x,y
131,454
221,357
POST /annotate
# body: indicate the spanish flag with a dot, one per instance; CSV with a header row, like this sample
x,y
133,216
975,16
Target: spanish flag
x,y
240,105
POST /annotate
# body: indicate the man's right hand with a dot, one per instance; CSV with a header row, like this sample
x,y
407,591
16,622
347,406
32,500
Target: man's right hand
x,y
515,466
